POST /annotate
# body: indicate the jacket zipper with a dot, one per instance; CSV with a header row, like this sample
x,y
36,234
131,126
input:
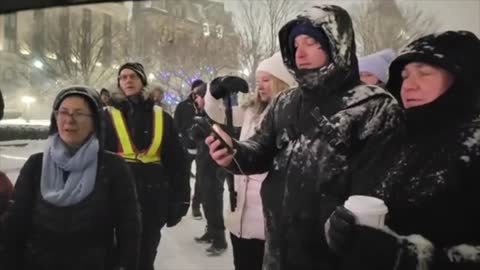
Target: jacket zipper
x,y
244,205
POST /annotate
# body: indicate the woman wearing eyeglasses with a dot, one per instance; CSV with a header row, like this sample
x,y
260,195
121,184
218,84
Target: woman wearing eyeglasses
x,y
74,199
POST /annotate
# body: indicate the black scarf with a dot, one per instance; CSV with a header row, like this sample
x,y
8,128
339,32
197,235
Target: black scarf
x,y
442,115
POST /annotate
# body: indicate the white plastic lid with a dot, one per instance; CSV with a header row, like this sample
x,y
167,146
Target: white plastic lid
x,y
366,204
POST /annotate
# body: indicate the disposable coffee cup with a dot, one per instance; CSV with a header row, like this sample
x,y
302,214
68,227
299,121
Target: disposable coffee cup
x,y
370,211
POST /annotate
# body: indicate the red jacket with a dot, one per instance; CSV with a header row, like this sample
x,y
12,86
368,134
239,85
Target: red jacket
x,y
6,190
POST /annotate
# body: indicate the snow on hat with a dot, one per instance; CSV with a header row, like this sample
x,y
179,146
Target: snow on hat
x,y
275,66
377,63
457,52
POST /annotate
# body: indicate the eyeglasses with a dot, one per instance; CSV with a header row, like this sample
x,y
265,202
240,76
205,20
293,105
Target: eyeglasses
x,y
77,117
125,77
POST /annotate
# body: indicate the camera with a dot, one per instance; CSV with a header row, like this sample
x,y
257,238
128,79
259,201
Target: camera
x,y
224,86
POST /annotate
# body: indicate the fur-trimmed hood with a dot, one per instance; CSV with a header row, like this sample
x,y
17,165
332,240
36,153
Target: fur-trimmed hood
x,y
119,96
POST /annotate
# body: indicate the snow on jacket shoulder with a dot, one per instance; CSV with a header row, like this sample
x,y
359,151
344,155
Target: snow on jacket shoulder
x,y
308,140
429,179
309,168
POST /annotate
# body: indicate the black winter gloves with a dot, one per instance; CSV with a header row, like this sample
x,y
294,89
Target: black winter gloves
x,y
222,86
360,247
339,230
200,129
372,249
176,212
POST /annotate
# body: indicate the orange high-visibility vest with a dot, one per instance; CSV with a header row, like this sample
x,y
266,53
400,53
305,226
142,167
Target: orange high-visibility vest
x,y
127,149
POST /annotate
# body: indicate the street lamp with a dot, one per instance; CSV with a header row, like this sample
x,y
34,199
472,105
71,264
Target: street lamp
x,y
28,100
246,72
38,64
219,29
206,29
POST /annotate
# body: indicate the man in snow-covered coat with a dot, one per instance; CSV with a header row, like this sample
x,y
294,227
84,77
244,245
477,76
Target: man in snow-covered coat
x,y
309,137
430,181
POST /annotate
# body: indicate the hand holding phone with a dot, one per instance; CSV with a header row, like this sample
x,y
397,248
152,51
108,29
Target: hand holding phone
x,y
208,128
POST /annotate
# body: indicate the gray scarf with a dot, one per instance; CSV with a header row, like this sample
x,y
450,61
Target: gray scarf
x,y
82,169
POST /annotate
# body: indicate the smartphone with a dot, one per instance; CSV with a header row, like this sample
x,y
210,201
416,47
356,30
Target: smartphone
x,y
207,128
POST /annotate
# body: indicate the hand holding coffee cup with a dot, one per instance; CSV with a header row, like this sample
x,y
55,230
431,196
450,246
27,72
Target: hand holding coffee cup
x,y
341,225
369,211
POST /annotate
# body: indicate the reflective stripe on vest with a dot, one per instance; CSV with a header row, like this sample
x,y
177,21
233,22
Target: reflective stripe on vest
x,y
127,149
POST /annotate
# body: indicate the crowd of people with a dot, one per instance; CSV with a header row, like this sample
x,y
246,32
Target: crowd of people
x,y
321,125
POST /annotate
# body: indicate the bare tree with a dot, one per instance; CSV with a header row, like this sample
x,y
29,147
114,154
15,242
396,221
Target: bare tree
x,y
278,12
258,23
175,58
188,59
78,51
381,24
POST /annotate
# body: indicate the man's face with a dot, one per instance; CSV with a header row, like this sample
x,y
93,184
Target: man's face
x,y
105,98
309,54
199,101
130,82
423,83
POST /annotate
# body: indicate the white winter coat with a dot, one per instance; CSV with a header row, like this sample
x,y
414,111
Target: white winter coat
x,y
247,220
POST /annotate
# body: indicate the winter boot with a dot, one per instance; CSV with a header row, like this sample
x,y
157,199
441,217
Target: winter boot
x,y
219,245
206,238
196,213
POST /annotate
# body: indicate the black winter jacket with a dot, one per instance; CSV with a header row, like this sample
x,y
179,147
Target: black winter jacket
x,y
42,236
2,106
430,178
307,141
100,232
162,188
183,121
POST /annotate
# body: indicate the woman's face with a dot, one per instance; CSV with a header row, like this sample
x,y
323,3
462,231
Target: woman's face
x,y
369,78
423,84
264,86
74,121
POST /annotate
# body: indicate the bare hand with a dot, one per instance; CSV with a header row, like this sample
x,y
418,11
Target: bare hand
x,y
217,151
